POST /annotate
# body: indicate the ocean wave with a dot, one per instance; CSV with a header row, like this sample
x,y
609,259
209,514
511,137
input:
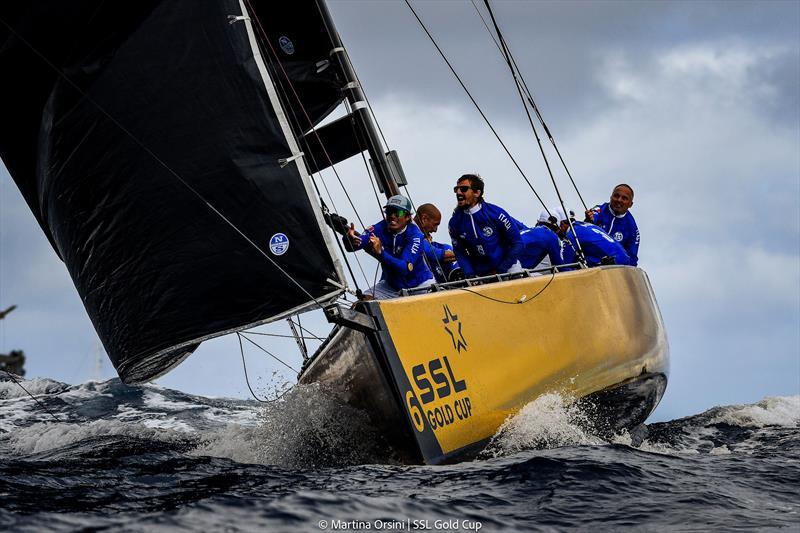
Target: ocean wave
x,y
307,427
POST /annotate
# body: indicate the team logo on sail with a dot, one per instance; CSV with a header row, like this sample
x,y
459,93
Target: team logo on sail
x,y
278,244
286,44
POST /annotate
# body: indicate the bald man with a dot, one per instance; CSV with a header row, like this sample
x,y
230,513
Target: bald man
x,y
440,257
615,219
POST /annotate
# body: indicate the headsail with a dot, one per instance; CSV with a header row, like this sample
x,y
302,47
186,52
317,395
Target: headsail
x,y
144,140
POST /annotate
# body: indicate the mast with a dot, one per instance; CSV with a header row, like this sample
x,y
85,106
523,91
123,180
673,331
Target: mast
x,y
355,95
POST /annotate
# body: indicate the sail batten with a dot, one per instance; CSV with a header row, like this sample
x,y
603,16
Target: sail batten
x,y
154,127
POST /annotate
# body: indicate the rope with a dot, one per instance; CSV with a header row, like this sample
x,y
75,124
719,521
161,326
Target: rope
x,y
507,55
517,302
533,105
244,366
152,154
483,115
14,379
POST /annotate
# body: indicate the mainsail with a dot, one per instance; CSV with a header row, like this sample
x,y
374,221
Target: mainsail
x,y
150,146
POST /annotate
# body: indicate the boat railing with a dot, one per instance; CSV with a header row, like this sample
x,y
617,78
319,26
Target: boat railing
x,y
493,278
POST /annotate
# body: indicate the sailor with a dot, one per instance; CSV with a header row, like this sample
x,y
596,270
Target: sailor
x,y
598,247
397,244
485,237
616,220
440,257
542,247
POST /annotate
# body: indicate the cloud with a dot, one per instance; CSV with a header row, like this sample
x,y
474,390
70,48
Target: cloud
x,y
694,104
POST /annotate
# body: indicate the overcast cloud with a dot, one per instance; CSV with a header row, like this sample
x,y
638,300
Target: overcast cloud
x,y
694,104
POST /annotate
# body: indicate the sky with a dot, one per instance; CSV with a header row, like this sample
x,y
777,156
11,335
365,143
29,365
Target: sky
x,y
695,104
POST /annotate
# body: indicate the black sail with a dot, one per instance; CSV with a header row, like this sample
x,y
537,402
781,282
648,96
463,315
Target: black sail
x,y
145,140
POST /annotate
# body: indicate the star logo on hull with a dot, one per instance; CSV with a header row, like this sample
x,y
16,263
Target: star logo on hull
x,y
453,328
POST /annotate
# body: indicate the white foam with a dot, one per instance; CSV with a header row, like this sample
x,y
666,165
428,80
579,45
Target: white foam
x,y
772,411
549,421
37,386
45,437
307,427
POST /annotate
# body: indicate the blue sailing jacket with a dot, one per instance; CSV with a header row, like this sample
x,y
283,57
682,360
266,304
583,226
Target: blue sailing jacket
x,y
486,239
539,242
622,229
401,260
434,255
595,243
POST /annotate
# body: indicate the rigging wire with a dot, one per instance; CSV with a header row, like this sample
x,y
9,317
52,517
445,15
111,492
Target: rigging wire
x,y
372,179
155,157
265,38
313,128
378,124
282,336
302,338
312,334
532,103
244,366
34,398
366,99
475,103
323,205
507,56
278,359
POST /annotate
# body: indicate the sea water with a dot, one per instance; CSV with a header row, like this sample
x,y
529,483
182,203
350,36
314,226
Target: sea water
x,y
103,455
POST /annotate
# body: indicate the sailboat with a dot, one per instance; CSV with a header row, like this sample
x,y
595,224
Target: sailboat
x,y
169,151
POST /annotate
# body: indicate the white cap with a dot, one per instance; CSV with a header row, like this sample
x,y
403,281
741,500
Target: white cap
x,y
560,215
546,216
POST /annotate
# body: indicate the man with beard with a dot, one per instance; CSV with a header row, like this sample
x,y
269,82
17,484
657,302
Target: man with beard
x,y
485,237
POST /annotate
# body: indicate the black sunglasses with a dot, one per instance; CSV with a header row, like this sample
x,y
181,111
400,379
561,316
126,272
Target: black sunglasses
x,y
462,188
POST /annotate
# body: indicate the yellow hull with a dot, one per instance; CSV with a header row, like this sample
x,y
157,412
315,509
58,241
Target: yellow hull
x,y
459,362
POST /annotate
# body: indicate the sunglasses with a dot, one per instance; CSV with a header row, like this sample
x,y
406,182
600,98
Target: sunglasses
x,y
462,188
389,211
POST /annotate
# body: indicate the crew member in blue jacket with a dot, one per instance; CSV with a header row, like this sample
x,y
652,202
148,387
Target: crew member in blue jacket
x,y
616,220
440,257
542,247
598,247
486,239
397,244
